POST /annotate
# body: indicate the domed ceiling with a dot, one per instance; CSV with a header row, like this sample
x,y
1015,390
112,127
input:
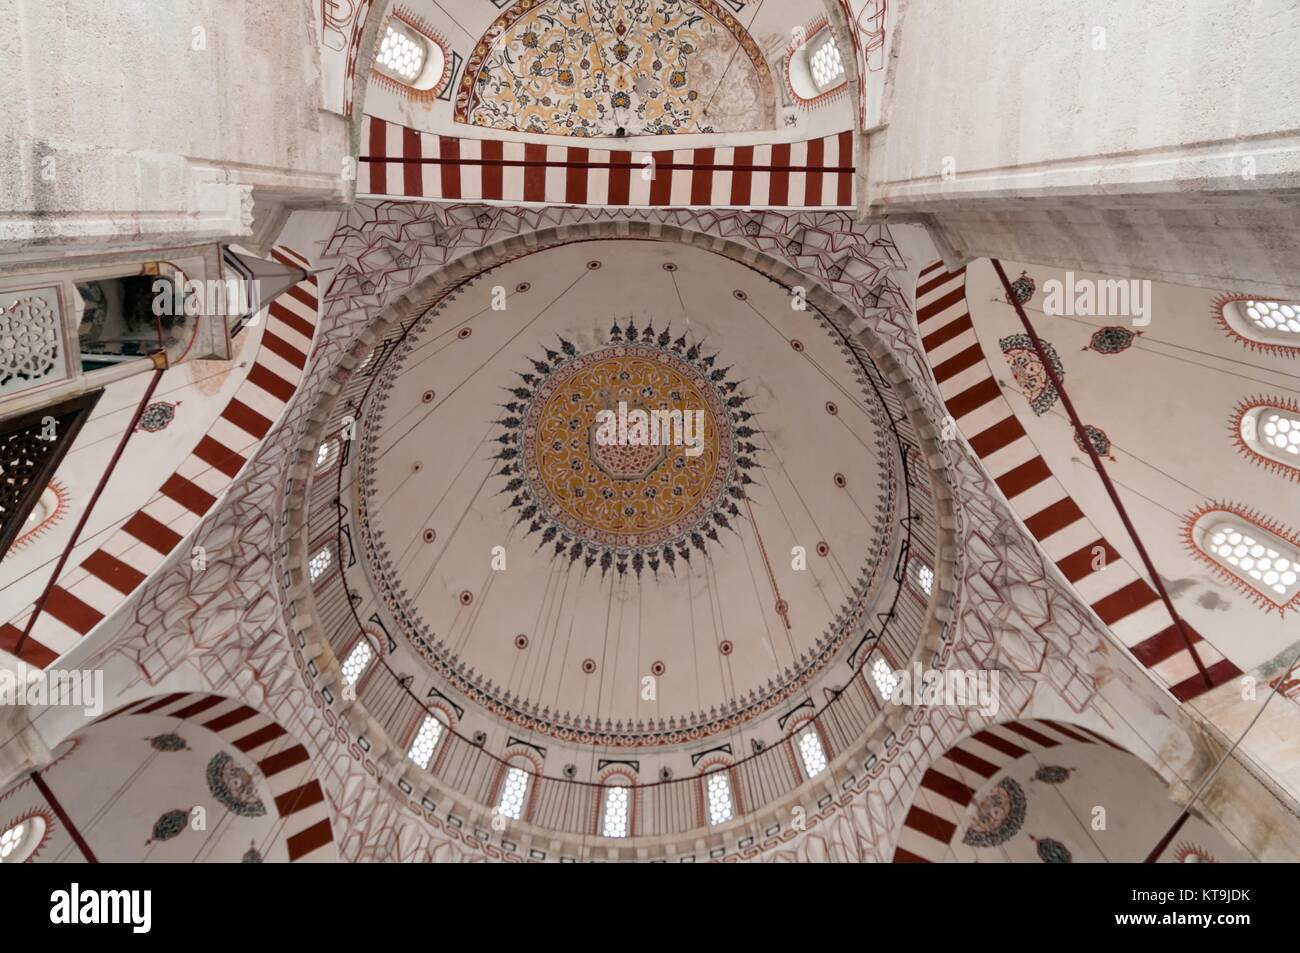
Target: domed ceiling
x,y
617,67
538,562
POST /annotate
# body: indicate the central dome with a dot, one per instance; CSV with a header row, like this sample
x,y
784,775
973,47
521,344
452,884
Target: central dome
x,y
631,528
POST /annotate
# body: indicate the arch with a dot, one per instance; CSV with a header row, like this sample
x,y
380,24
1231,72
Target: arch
x,y
278,756
943,796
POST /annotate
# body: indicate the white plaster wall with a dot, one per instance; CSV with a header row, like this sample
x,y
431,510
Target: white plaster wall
x,y
119,133
1099,157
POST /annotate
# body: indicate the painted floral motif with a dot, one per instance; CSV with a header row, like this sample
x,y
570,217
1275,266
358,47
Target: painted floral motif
x,y
1111,340
1052,774
1031,377
168,742
1052,851
595,67
158,415
1097,437
998,816
233,786
252,855
169,825
625,505
1022,289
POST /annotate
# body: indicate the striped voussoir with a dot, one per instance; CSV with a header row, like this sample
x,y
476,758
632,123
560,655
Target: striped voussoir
x,y
103,580
400,162
950,785
1121,598
283,762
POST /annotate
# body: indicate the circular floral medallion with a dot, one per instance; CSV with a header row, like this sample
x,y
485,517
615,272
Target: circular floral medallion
x,y
1052,774
158,415
1031,377
1052,851
233,786
630,455
1111,340
998,816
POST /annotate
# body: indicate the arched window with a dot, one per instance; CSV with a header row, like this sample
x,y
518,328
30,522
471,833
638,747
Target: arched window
x,y
21,839
813,65
1270,432
718,800
1266,325
514,793
616,814
325,453
920,575
358,660
884,677
320,563
425,741
411,58
1256,557
811,752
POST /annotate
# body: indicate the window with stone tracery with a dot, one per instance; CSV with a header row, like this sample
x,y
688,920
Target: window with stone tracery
x,y
1272,431
358,660
884,677
425,741
410,58
513,791
811,752
1262,323
717,790
617,819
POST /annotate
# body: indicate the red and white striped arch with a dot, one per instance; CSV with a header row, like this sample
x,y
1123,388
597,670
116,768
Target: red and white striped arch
x,y
1117,593
282,761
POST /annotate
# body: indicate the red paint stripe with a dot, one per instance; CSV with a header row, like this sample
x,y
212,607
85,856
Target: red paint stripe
x,y
230,718
1070,732
973,398
702,179
34,653
304,292
661,186
972,762
154,534
742,180
932,825
1053,518
71,611
1163,645
304,842
260,737
930,267
281,313
779,191
1002,434
812,189
1220,672
1124,602
1037,737
902,856
287,256
299,799
1029,474
951,788
275,385
534,172
845,196
378,150
162,703
246,418
937,281
188,494
620,178
283,349
412,170
199,707
998,743
492,151
575,179
941,304
963,360
1080,562
946,333
218,456
449,147
111,570
282,761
